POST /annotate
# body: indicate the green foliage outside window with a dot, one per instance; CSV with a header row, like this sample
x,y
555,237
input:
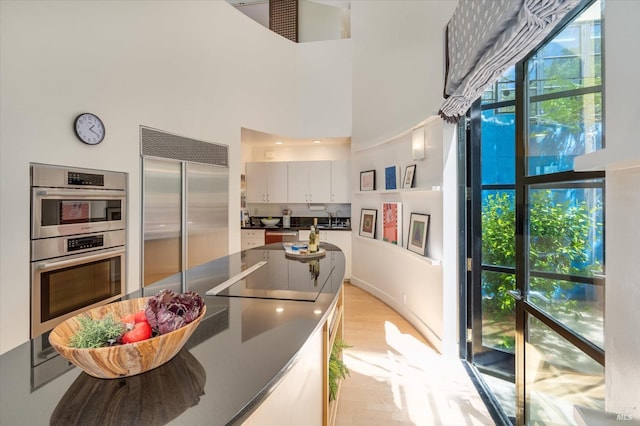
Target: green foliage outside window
x,y
560,241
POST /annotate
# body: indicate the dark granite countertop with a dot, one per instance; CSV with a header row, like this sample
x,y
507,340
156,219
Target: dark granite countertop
x,y
238,354
299,228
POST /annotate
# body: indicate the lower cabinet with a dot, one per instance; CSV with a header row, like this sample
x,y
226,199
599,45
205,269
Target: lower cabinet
x,y
333,329
250,238
302,396
297,400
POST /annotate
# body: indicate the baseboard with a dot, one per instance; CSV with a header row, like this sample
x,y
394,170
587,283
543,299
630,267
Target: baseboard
x,y
407,314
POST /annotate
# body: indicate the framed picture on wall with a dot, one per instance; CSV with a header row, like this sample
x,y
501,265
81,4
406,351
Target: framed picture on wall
x,y
418,233
391,175
368,180
409,174
368,219
392,223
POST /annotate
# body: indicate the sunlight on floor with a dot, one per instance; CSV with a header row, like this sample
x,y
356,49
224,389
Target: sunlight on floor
x,y
424,387
397,377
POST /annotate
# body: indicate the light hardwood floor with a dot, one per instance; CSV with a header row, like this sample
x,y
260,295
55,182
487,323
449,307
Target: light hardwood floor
x,y
397,378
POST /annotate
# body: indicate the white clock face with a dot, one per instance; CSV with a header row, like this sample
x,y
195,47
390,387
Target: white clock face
x,y
89,128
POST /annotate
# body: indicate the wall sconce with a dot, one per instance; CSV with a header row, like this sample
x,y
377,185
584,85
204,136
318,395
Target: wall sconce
x,y
417,143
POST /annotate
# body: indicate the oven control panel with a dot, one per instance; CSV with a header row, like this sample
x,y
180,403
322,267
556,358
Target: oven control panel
x,y
75,178
83,243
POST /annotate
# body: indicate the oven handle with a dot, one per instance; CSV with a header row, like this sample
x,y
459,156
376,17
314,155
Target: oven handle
x,y
43,266
57,192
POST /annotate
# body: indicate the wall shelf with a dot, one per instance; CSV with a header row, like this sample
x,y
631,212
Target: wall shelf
x,y
399,191
430,261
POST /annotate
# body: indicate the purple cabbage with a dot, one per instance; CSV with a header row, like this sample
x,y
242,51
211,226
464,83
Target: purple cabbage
x,y
168,311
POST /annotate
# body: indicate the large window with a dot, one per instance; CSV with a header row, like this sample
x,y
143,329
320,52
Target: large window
x,y
537,229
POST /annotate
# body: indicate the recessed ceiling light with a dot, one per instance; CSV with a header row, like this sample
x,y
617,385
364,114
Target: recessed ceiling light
x,y
279,309
278,142
317,141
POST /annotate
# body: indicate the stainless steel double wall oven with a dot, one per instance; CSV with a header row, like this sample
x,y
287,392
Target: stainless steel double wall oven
x,y
78,234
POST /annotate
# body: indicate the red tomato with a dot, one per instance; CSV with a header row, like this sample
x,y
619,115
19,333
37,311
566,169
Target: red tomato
x,y
140,331
134,318
140,316
128,319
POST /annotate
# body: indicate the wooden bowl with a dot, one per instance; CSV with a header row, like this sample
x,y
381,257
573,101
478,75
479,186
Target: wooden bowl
x,y
113,362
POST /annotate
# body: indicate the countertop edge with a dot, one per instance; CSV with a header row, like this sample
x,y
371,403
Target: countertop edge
x,y
268,389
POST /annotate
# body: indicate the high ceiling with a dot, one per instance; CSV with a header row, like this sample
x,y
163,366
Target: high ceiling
x,y
255,137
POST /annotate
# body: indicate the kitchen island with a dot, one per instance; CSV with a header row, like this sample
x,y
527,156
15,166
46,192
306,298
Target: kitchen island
x,y
262,346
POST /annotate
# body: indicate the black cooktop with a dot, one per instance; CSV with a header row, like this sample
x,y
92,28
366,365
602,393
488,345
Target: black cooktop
x,y
269,274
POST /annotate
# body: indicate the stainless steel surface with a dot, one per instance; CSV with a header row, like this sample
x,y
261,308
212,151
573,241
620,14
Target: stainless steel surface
x,y
58,177
80,259
162,219
83,296
207,207
78,236
185,210
47,201
48,248
157,143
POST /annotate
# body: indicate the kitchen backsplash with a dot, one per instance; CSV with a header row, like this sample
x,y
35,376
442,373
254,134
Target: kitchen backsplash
x,y
300,210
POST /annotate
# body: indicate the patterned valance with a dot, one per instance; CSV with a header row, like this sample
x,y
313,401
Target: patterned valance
x,y
485,37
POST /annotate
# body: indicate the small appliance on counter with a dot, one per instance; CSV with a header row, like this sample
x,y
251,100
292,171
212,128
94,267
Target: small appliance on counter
x,y
245,219
286,218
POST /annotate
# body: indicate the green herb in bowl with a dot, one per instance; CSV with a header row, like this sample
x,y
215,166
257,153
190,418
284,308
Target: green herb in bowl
x,y
96,333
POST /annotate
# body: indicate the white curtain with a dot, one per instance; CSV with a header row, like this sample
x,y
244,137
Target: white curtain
x,y
485,37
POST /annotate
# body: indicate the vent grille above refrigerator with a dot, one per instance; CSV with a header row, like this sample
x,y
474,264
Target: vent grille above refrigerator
x,y
157,143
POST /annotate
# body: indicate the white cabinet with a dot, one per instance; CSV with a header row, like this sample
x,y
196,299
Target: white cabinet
x,y
342,239
299,182
309,182
267,182
340,181
250,238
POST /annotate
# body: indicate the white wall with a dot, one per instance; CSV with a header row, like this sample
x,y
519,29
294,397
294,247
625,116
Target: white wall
x,y
194,68
300,153
397,83
406,281
621,160
318,22
398,65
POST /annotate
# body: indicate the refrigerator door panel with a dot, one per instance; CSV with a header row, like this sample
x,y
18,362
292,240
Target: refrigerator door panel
x,y
207,204
162,219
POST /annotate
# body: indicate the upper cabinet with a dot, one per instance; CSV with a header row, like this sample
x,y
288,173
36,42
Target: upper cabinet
x,y
267,182
309,182
299,182
341,181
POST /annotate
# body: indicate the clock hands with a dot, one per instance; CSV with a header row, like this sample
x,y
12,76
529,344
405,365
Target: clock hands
x,y
94,132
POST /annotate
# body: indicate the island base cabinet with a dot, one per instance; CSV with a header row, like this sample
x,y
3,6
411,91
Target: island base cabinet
x,y
332,330
297,399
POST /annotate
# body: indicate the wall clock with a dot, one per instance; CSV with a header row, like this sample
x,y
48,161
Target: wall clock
x,y
89,128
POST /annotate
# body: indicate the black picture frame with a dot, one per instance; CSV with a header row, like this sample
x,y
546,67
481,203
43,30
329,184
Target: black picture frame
x,y
409,175
418,233
368,219
368,180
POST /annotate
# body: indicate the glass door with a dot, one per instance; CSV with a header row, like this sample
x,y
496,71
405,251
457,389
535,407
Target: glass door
x,y
535,281
492,262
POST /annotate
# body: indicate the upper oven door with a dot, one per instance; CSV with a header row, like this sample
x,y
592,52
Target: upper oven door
x,y
59,211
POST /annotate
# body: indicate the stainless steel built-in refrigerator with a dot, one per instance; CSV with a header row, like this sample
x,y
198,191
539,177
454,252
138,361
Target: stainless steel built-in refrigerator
x,y
185,207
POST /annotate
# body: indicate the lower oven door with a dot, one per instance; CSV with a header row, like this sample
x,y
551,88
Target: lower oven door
x,y
63,287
